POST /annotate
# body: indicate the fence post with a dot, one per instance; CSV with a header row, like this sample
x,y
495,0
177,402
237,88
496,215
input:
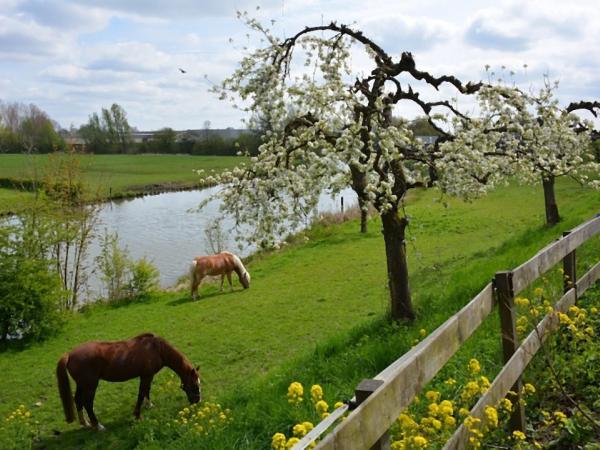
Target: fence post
x,y
363,390
510,341
570,270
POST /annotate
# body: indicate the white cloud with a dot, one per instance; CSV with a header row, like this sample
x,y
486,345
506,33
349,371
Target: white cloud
x,y
72,57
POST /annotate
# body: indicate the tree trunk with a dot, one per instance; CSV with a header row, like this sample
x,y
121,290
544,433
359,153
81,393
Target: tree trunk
x,y
363,206
359,185
395,250
552,216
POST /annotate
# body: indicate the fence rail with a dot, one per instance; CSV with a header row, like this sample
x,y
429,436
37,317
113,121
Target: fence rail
x,y
393,389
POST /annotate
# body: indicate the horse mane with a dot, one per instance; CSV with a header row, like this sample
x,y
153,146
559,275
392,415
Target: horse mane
x,y
167,350
239,266
146,335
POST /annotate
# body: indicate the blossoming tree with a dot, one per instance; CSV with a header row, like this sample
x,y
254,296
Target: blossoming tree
x,y
330,127
535,137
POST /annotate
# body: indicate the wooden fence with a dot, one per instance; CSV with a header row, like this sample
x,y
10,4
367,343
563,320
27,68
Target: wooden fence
x,y
381,399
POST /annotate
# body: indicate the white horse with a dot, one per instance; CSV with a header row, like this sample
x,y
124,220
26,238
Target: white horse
x,y
220,264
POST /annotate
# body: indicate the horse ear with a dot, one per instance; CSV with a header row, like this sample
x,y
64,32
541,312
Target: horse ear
x,y
197,368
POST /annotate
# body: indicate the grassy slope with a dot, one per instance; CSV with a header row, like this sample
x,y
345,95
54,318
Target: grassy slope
x,y
121,174
300,297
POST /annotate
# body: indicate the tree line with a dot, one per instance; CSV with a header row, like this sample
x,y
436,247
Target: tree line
x,y
26,128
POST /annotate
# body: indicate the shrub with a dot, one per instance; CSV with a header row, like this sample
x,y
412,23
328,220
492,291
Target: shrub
x,y
124,278
30,294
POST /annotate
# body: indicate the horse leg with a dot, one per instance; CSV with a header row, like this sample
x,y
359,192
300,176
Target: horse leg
x,y
195,284
222,281
143,391
148,402
79,406
88,394
230,283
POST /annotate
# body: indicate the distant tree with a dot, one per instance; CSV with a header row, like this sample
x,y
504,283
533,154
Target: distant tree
x,y
421,126
26,128
206,127
108,132
164,141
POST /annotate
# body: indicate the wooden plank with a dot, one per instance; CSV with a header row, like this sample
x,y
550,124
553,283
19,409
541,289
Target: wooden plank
x,y
513,369
588,280
321,427
552,254
404,378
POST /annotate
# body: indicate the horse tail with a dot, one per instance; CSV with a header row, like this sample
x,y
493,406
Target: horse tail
x,y
64,388
193,270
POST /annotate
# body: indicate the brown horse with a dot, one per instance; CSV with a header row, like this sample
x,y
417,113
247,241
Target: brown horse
x,y
142,356
220,264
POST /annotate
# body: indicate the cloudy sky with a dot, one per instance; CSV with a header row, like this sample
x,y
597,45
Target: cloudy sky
x,y
72,57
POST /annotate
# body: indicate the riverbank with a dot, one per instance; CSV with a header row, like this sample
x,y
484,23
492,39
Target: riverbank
x,y
328,294
111,177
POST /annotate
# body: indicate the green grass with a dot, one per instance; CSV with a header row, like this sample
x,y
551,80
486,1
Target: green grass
x,y
116,175
314,313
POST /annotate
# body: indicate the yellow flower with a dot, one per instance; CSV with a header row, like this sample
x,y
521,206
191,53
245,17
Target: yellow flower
x,y
307,426
434,409
299,430
470,390
420,442
324,416
338,405
449,421
522,301
295,393
518,435
463,412
506,405
446,408
321,406
450,382
594,310
278,441
560,416
491,416
529,388
423,332
436,424
474,366
538,292
316,393
484,383
432,396
293,441
406,422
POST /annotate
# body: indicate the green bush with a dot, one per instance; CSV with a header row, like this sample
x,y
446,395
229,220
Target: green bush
x,y
143,278
123,278
30,297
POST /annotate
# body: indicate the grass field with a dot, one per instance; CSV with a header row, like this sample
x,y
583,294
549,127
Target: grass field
x,y
314,313
116,175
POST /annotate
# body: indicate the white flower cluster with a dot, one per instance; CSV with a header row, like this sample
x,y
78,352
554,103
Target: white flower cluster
x,y
522,134
322,130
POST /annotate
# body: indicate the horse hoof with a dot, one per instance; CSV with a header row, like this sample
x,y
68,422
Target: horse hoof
x,y
100,427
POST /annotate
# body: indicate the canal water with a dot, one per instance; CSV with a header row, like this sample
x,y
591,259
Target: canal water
x,y
170,231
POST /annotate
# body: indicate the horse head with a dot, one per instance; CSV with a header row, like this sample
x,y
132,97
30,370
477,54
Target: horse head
x,y
190,384
245,279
